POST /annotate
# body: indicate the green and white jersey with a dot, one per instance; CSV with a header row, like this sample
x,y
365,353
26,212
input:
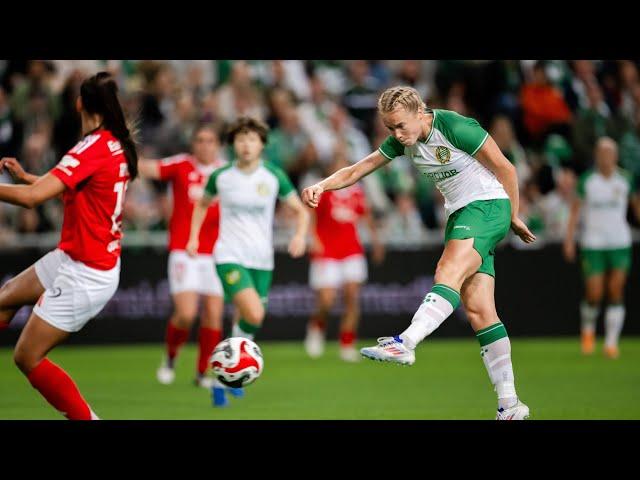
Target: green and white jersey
x,y
247,202
604,210
446,157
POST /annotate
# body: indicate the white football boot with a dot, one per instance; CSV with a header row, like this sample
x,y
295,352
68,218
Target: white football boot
x,y
390,349
165,375
518,412
314,342
204,381
349,354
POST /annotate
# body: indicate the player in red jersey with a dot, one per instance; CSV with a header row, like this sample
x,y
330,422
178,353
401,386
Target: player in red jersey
x,y
191,277
338,262
72,283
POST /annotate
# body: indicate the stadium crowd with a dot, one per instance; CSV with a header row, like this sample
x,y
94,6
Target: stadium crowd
x,y
545,116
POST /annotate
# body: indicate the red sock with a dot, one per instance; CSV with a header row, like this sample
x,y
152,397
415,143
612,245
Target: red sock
x,y
318,321
208,338
59,389
175,338
347,338
3,326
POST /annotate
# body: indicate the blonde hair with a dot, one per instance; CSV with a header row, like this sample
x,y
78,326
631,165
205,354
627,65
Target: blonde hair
x,y
405,97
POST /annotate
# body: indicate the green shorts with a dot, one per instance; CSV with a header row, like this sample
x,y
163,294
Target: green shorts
x,y
235,277
597,262
487,222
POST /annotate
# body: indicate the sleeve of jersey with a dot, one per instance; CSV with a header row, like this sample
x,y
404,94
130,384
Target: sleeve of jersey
x,y
76,167
168,167
285,185
391,148
211,189
580,188
632,182
463,132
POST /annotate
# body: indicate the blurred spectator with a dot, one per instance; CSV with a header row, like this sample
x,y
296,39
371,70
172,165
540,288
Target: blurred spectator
x,y
630,148
592,122
361,98
175,134
501,130
555,205
33,102
543,107
410,74
404,222
10,129
629,85
156,103
289,146
67,129
239,96
290,75
584,73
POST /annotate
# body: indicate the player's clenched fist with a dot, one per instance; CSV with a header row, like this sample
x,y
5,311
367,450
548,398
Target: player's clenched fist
x,y
311,195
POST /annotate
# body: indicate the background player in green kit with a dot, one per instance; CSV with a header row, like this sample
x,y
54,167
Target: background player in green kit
x,y
480,189
605,244
247,190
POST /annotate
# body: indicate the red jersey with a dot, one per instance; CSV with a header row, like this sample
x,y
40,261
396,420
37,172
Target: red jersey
x,y
337,217
188,179
96,176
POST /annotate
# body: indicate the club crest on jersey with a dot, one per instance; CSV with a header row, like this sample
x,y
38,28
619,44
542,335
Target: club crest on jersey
x,y
262,189
443,154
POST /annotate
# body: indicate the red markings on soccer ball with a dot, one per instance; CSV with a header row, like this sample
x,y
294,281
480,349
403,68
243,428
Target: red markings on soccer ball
x,y
246,360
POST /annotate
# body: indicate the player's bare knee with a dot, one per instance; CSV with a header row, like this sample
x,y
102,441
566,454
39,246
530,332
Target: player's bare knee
x,y
594,297
5,292
184,319
25,360
255,318
450,274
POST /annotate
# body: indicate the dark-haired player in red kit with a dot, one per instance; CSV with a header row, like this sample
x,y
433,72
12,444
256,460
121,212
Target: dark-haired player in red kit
x,y
71,284
191,277
338,263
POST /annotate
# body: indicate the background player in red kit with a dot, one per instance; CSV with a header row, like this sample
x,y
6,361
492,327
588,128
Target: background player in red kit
x,y
338,262
72,283
191,277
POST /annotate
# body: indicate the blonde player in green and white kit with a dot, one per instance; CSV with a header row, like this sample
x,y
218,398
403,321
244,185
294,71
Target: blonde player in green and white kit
x,y
247,190
605,244
480,189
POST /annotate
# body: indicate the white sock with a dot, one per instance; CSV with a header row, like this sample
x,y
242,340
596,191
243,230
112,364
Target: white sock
x,y
588,317
497,360
432,312
613,321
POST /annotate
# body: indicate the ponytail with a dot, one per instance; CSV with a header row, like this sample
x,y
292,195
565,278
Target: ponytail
x,y
100,96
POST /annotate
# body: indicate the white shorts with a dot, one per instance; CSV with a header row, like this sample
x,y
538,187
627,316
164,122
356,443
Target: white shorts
x,y
193,274
74,293
329,273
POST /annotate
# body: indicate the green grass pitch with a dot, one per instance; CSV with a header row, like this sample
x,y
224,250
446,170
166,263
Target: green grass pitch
x,y
448,381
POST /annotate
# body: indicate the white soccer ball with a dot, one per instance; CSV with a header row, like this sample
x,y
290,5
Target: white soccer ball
x,y
237,362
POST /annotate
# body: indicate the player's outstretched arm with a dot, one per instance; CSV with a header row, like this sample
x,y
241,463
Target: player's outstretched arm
x,y
199,213
343,178
149,169
492,158
298,243
11,165
29,196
